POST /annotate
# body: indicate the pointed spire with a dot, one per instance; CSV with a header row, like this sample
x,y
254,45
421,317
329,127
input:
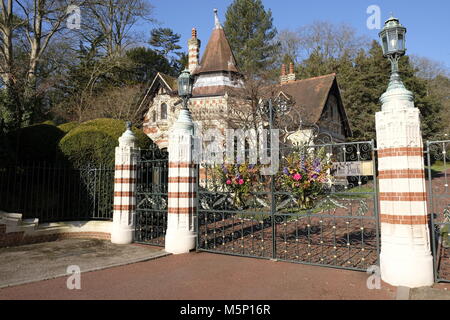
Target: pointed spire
x,y
216,20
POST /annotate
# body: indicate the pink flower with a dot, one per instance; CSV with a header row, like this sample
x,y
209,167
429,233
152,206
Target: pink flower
x,y
297,177
228,182
241,181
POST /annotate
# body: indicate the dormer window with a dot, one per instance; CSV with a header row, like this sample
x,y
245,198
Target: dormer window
x,y
163,111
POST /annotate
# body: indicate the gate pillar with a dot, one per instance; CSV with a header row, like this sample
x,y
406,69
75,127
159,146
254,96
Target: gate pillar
x,y
182,191
405,258
126,157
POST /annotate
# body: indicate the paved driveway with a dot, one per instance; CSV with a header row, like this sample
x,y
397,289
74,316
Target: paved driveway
x,y
48,260
207,276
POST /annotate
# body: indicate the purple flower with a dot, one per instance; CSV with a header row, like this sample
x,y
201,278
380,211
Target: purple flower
x,y
317,165
302,163
286,171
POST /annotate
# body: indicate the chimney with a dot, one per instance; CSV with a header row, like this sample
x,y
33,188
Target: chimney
x,y
291,76
283,77
194,51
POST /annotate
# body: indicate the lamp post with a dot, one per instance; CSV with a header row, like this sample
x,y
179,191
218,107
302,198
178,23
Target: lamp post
x,y
405,257
393,42
185,84
182,190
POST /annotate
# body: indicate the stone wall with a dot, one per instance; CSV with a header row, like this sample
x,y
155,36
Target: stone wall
x,y
14,231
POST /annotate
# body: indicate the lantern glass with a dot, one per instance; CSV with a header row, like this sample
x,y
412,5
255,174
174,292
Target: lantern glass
x,y
401,42
385,44
184,84
393,38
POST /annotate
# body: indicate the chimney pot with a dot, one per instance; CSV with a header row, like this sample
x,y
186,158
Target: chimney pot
x,y
194,33
283,69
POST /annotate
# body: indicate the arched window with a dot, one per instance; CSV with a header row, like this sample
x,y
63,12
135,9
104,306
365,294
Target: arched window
x,y
164,111
154,116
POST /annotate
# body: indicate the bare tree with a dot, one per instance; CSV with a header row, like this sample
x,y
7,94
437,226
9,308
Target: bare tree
x,y
427,68
290,44
330,40
27,28
113,20
117,104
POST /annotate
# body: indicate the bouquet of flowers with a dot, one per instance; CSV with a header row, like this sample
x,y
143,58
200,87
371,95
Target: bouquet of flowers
x,y
305,175
238,179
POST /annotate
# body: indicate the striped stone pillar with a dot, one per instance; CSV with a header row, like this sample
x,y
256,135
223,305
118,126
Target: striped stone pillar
x,y
182,193
124,188
406,258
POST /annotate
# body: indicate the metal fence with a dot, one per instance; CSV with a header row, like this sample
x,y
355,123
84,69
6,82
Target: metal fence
x,y
151,197
438,175
272,219
53,193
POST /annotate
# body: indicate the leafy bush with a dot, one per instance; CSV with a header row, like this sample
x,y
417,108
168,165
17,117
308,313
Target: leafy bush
x,y
93,142
66,127
49,122
35,143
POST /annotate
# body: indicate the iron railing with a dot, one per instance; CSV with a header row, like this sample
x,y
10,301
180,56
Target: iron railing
x,y
438,176
58,192
151,197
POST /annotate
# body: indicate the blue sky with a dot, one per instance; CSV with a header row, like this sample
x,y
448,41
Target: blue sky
x,y
428,22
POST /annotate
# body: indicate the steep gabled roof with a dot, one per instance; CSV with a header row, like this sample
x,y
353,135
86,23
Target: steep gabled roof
x,y
311,95
161,79
169,82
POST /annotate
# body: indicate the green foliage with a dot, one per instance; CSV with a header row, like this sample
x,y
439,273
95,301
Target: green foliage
x,y
146,63
93,142
165,41
36,143
364,79
67,127
250,31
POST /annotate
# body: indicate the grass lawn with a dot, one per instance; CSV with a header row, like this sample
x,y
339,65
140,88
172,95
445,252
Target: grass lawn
x,y
439,166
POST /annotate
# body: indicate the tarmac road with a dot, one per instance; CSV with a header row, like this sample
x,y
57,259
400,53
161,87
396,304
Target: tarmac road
x,y
205,276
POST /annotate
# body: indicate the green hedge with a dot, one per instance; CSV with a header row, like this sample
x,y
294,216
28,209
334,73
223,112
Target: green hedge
x,y
36,143
93,142
66,127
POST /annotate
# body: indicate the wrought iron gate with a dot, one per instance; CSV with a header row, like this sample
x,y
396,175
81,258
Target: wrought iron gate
x,y
320,208
151,197
438,165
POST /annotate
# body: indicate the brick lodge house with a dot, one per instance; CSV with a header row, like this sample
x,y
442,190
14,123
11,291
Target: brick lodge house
x,y
216,75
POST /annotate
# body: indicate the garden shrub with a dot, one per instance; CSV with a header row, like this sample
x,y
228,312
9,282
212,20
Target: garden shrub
x,y
49,122
36,143
66,127
93,142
